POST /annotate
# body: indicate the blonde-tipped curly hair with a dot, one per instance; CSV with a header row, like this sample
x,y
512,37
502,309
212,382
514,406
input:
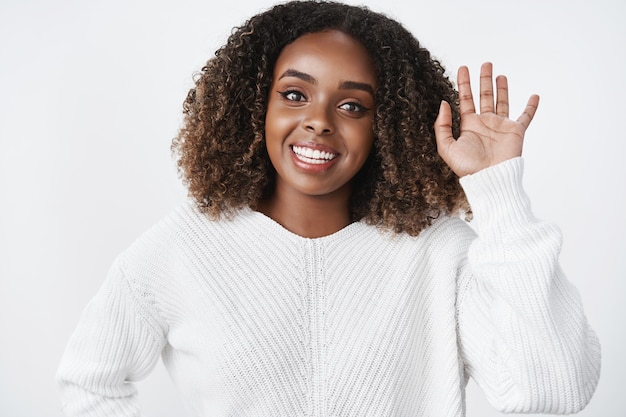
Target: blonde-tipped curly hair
x,y
221,152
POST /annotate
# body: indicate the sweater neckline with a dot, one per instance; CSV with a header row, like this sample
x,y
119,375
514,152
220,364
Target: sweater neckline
x,y
271,226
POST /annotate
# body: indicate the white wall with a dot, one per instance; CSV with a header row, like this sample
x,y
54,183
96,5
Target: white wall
x,y
90,97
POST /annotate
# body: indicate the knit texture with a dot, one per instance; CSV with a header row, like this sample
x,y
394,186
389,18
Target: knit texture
x,y
252,320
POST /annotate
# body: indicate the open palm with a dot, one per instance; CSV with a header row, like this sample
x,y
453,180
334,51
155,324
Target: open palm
x,y
488,138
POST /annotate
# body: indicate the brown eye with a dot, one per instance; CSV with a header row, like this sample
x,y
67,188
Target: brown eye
x,y
292,95
353,107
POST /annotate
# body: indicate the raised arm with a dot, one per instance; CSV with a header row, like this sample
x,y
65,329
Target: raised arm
x,y
522,330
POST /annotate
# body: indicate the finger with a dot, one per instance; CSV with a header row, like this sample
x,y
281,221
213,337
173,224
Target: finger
x,y
466,100
529,111
502,103
443,128
486,88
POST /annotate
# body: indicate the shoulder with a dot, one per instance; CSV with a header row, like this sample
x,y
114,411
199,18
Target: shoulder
x,y
181,236
447,233
447,238
168,233
449,230
444,245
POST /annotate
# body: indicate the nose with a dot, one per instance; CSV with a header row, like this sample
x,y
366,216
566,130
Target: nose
x,y
318,120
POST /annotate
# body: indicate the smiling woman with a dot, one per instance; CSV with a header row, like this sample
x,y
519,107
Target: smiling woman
x,y
321,267
318,130
402,186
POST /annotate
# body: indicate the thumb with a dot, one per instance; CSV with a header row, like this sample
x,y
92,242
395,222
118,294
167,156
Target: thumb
x,y
443,127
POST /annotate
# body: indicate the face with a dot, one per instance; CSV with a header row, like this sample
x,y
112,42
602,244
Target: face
x,y
319,122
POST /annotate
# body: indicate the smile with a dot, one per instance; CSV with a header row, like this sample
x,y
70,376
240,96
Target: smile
x,y
313,156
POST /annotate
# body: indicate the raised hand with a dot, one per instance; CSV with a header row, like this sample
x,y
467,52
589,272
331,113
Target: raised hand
x,y
487,138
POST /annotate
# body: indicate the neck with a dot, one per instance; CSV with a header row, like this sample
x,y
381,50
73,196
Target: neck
x,y
308,216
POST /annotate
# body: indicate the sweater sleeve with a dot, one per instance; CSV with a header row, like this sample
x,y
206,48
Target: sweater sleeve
x,y
116,342
523,334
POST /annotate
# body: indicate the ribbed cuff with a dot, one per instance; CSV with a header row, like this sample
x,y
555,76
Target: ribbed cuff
x,y
497,197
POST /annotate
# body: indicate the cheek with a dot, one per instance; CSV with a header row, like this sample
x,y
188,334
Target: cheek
x,y
364,139
276,131
278,124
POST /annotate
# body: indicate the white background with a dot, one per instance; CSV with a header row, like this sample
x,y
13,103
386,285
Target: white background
x,y
90,98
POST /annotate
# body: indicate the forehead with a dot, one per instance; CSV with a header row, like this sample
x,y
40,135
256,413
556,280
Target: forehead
x,y
332,52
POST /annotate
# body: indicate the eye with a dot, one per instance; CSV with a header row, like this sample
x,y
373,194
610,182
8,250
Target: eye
x,y
353,107
292,95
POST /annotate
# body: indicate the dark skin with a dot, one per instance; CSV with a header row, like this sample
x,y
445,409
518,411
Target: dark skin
x,y
319,129
488,138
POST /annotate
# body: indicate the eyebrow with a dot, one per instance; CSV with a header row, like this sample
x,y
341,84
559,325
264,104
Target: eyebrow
x,y
298,74
354,85
344,85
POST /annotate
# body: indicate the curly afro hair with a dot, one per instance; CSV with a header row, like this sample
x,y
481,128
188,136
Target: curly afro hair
x,y
403,186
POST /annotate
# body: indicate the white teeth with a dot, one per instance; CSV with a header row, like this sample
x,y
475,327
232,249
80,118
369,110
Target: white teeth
x,y
313,156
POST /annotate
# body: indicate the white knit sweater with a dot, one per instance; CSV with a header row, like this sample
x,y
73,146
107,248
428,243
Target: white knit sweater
x,y
254,321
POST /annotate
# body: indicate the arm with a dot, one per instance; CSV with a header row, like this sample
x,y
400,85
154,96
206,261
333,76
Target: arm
x,y
523,334
116,342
